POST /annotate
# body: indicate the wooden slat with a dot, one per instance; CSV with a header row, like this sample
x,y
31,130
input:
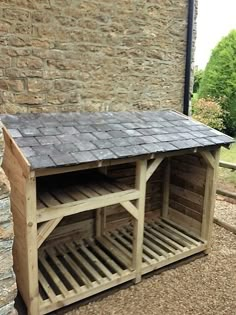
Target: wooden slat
x,y
174,240
108,260
115,252
187,194
78,271
123,241
159,241
85,263
47,288
54,277
54,212
95,259
64,271
123,249
190,240
146,249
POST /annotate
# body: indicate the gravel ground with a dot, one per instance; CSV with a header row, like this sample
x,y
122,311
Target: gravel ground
x,y
206,286
226,212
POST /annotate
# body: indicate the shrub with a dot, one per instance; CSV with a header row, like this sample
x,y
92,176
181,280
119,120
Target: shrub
x,y
219,79
209,112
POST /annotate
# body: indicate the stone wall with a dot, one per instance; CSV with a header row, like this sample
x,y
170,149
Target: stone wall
x,y
92,55
7,278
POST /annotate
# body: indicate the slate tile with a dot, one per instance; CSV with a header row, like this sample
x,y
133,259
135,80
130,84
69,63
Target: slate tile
x,y
168,137
26,142
41,161
197,134
83,157
63,159
85,145
66,139
185,144
45,150
219,139
15,133
129,151
27,151
102,127
30,132
136,140
86,137
133,133
102,135
120,142
66,147
166,124
117,134
44,140
204,141
181,129
104,154
68,130
186,135
86,128
159,147
130,125
148,139
104,144
116,127
198,127
50,131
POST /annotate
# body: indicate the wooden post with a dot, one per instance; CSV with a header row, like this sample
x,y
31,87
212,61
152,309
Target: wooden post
x,y
100,221
166,190
140,183
31,244
209,200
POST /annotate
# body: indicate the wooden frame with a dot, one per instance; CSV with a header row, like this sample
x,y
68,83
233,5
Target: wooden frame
x,y
130,251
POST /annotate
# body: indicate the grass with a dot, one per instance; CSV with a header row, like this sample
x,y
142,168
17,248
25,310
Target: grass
x,y
226,175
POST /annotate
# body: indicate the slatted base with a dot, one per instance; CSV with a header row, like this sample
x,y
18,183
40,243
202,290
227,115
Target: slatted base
x,y
74,270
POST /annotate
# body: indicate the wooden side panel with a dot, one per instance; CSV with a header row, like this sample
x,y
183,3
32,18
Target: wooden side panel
x,y
187,187
23,201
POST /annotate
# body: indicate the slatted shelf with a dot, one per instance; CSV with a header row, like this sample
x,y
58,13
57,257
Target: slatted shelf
x,y
76,269
55,200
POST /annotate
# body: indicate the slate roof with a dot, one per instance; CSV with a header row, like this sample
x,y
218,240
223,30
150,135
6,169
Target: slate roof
x,y
59,139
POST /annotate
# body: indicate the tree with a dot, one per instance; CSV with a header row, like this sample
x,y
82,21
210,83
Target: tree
x,y
198,74
219,79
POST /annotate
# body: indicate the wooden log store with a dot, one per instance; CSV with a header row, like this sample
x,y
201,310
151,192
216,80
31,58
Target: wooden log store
x,y
99,199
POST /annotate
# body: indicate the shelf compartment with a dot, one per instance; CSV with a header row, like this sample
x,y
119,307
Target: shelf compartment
x,y
62,200
76,269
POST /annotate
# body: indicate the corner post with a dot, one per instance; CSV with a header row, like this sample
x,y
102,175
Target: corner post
x,y
140,184
209,199
166,190
31,243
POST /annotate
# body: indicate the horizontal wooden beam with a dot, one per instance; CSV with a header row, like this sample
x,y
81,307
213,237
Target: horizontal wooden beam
x,y
74,207
225,164
226,193
225,225
153,166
